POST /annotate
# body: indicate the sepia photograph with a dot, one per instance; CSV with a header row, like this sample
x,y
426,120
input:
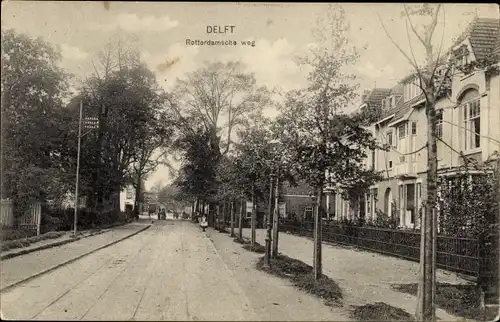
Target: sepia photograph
x,y
250,161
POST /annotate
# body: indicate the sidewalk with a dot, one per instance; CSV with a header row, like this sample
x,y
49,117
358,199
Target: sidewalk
x,y
271,297
67,237
17,269
48,243
365,277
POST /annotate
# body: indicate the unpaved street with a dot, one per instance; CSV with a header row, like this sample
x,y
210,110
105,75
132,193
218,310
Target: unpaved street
x,y
172,271
169,272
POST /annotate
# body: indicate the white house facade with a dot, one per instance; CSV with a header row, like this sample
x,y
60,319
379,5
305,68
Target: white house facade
x,y
469,124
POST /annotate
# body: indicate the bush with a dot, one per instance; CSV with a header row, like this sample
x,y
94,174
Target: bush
x,y
460,300
301,275
257,248
13,234
24,242
382,220
240,241
56,219
380,311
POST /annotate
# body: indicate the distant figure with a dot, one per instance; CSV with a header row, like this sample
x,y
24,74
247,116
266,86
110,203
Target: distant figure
x,y
204,223
159,214
163,214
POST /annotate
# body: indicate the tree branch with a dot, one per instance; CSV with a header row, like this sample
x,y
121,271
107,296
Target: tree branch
x,y
412,26
395,44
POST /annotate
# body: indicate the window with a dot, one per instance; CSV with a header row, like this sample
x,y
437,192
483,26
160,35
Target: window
x,y
373,159
472,124
389,102
374,198
413,128
390,164
402,159
402,131
461,56
369,203
439,123
129,193
389,139
410,201
411,89
308,213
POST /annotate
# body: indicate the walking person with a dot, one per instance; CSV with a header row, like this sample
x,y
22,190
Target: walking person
x,y
204,223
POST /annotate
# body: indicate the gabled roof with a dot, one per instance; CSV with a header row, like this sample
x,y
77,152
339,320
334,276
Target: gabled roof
x,y
374,98
496,51
483,34
397,90
402,108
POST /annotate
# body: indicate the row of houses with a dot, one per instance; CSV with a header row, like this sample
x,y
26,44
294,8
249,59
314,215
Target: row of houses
x,y
468,125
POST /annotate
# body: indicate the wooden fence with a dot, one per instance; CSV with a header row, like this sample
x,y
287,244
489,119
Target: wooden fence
x,y
30,220
454,254
6,213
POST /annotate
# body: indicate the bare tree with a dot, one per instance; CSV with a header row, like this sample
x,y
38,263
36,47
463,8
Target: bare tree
x,y
220,96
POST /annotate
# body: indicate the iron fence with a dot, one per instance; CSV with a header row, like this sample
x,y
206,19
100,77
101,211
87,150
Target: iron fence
x,y
454,254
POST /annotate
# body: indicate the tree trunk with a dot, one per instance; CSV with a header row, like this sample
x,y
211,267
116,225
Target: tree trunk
x,y
240,220
254,217
232,218
217,216
269,225
223,222
276,219
425,305
318,211
138,198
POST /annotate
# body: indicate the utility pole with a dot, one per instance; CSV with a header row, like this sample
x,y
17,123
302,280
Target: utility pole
x,y
75,218
267,257
276,217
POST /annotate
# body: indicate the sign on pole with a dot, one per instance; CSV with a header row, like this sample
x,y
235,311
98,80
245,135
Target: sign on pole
x,y
249,209
282,209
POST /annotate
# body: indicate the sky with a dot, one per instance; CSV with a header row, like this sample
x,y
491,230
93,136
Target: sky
x,y
280,31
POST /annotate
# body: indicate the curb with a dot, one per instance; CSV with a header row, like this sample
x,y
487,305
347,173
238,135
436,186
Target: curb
x,y
59,243
47,246
71,260
27,251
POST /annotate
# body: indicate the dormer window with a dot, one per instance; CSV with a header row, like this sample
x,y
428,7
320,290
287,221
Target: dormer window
x,y
389,102
461,56
412,89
